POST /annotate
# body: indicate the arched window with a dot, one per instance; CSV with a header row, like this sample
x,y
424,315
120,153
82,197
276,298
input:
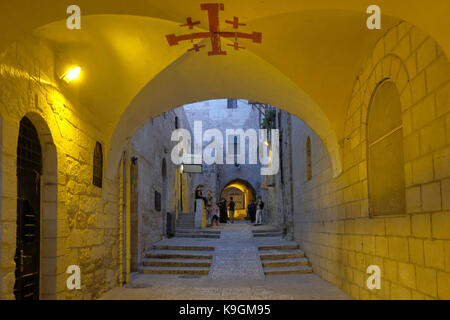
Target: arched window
x,y
385,152
308,159
98,165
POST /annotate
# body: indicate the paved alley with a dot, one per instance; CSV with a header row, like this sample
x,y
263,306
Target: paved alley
x,y
236,272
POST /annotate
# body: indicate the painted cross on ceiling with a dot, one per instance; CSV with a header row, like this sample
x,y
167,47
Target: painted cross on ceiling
x,y
214,32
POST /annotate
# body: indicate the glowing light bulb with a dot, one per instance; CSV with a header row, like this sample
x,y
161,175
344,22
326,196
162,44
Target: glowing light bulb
x,y
71,74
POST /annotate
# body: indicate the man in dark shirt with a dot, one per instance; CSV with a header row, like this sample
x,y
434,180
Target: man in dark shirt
x,y
231,209
251,209
223,211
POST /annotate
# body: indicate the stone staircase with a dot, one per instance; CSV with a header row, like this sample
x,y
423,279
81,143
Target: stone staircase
x,y
196,233
185,228
185,221
283,259
182,260
267,233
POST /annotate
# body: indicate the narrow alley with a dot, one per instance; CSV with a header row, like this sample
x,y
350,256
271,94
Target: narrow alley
x,y
236,272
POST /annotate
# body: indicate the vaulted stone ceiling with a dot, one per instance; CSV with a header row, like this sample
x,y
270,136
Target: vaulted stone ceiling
x,y
307,62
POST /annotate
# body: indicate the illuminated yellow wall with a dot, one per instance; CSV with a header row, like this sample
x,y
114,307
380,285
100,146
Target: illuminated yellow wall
x,y
333,221
248,195
131,75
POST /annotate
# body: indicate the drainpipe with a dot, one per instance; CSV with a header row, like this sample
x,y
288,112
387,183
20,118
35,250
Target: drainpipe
x,y
291,181
124,217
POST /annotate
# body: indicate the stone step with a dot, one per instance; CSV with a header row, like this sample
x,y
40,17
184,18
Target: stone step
x,y
285,262
197,235
185,217
278,247
192,248
178,254
288,270
265,230
200,230
268,234
214,232
281,254
199,263
173,270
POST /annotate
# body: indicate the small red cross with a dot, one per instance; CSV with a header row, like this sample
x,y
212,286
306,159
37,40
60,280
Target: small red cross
x,y
235,46
196,47
189,23
235,22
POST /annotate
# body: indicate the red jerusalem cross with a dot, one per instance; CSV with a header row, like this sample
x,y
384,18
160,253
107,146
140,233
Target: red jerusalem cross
x,y
235,46
214,31
235,23
196,47
189,23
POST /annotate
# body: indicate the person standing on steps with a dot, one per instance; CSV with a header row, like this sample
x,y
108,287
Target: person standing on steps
x,y
251,209
259,208
209,208
215,217
231,208
199,195
223,211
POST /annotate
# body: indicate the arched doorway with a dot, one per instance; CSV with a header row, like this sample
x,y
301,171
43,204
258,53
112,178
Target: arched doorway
x,y
242,193
29,171
37,225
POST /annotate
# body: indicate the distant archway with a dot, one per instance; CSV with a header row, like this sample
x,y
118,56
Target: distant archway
x,y
242,192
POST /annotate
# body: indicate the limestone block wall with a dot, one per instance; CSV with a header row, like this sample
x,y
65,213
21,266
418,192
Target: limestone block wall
x,y
332,220
79,224
276,188
152,146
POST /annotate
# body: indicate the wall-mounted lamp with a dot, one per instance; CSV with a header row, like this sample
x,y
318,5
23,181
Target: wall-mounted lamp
x,y
71,74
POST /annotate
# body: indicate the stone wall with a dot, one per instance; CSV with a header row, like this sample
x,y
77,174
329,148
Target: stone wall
x,y
332,220
214,114
152,146
78,219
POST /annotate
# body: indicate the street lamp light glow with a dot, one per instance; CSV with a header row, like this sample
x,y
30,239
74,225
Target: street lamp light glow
x,y
71,74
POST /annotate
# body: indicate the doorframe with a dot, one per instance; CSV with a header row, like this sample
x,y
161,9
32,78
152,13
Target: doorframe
x,y
49,222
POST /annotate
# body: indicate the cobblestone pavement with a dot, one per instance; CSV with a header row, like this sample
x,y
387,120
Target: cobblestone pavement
x,y
236,257
236,273
280,287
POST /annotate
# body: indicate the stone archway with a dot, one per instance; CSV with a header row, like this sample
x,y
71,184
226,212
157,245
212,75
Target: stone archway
x,y
242,192
46,269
